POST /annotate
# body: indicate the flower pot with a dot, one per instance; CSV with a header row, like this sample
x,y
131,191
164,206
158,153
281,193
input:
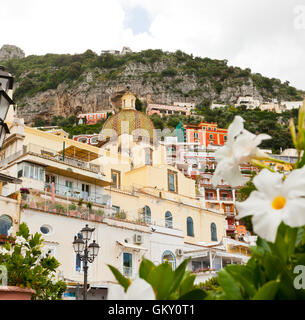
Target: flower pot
x,y
32,205
92,216
98,218
15,293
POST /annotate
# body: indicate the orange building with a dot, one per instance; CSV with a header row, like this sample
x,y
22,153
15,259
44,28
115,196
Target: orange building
x,y
205,133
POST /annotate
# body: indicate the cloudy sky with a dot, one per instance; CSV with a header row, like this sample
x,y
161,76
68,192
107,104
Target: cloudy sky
x,y
266,36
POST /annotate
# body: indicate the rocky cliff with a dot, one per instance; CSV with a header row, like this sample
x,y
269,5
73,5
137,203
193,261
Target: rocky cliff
x,y
70,84
8,52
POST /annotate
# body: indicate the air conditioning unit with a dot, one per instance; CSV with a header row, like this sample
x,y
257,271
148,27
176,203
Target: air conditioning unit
x,y
138,238
179,252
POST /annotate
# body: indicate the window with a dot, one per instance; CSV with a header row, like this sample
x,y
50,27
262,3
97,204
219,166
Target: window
x,y
225,138
45,229
203,128
148,156
196,135
170,258
32,171
172,181
196,265
69,187
116,178
213,232
190,227
211,136
127,264
168,220
85,191
147,214
6,223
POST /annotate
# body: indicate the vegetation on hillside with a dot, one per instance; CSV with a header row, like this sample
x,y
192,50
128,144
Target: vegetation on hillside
x,y
39,73
256,121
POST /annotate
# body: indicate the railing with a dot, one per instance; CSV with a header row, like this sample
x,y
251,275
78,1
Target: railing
x,y
226,199
230,227
54,155
76,193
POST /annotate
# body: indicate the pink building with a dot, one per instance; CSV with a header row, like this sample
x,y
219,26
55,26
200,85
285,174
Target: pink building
x,y
166,110
92,118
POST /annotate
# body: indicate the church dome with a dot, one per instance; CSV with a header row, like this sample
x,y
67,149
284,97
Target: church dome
x,y
136,120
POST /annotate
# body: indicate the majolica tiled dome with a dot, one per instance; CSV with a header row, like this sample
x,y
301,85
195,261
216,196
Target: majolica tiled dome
x,y
136,119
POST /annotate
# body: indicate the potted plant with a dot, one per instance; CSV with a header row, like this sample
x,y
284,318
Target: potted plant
x,y
99,215
60,208
72,210
80,202
30,271
89,206
24,193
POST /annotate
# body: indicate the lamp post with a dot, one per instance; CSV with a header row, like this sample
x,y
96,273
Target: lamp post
x,y
6,83
87,253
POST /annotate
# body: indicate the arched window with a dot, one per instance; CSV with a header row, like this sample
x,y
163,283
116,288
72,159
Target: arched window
x,y
169,257
213,232
5,224
190,227
147,214
168,220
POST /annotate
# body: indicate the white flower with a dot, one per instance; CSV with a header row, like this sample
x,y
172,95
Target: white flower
x,y
20,240
44,251
10,230
240,148
3,251
275,201
138,290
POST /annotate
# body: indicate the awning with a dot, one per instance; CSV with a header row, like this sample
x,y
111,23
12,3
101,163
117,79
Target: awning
x,y
79,153
131,246
9,179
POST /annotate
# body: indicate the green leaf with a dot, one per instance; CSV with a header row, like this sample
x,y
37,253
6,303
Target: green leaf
x,y
267,291
285,241
244,276
124,282
229,285
196,294
272,265
187,283
161,279
146,267
179,275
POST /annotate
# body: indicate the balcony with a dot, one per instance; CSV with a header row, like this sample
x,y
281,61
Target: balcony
x,y
74,161
230,213
76,193
226,199
231,227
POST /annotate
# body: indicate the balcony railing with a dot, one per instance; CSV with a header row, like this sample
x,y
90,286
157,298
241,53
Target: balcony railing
x,y
77,193
231,227
52,155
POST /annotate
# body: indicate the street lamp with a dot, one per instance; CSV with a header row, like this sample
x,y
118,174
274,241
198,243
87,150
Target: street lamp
x,y
6,83
87,253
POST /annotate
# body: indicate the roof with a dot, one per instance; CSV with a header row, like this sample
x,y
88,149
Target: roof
x,y
136,120
80,153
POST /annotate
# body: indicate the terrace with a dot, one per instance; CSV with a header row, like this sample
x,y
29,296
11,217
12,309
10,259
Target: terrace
x,y
73,156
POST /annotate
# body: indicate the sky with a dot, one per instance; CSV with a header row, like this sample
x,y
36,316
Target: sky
x,y
266,36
